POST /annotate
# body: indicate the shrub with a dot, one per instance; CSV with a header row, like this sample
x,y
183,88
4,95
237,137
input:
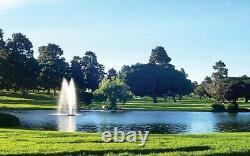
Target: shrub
x,y
233,108
7,120
87,97
113,90
217,107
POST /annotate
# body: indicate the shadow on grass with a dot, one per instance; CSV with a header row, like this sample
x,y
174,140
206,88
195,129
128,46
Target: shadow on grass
x,y
31,96
40,102
132,151
246,153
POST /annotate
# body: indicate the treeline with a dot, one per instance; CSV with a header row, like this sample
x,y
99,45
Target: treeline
x,y
20,71
223,88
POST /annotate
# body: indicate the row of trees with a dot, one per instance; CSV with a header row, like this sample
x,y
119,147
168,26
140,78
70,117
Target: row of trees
x,y
222,88
21,71
157,78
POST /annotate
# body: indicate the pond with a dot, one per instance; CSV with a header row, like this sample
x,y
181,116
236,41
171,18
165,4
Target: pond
x,y
154,121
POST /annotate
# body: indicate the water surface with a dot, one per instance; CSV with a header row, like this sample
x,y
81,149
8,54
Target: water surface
x,y
155,121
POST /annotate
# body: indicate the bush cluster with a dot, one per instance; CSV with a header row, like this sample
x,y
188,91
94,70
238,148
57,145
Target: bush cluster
x,y
233,108
218,107
7,120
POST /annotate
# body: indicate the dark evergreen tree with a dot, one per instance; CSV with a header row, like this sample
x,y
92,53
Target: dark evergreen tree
x,y
53,66
3,56
159,56
22,67
111,73
92,70
77,73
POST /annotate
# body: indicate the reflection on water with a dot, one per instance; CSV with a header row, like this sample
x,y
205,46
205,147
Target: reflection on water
x,y
153,128
66,123
154,121
233,126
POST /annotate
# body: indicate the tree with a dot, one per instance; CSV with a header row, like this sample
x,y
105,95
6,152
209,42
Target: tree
x,y
183,72
22,66
159,56
221,70
77,73
53,66
113,90
142,80
111,73
181,85
87,73
217,88
156,81
93,70
207,80
201,91
237,87
3,55
1,34
195,84
123,72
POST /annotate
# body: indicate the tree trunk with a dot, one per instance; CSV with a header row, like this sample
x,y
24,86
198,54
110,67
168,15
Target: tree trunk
x,y
246,99
23,91
179,98
113,103
154,99
234,101
174,99
54,93
48,92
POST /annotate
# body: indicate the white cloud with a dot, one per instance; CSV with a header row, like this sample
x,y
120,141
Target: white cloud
x,y
11,4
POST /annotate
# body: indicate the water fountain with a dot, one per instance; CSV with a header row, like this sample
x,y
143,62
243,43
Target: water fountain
x,y
67,103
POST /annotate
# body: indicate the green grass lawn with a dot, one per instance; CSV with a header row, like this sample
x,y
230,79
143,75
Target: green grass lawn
x,y
41,101
31,142
187,104
31,101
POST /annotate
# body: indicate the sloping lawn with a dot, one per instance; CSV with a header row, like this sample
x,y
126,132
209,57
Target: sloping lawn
x,y
42,101
31,101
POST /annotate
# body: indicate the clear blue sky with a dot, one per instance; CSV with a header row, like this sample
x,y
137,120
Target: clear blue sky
x,y
195,33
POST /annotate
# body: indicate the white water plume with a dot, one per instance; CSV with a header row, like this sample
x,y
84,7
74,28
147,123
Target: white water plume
x,y
67,103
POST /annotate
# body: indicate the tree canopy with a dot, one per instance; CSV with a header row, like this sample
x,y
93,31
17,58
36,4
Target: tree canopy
x,y
53,66
156,81
159,56
113,90
111,73
19,69
92,69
